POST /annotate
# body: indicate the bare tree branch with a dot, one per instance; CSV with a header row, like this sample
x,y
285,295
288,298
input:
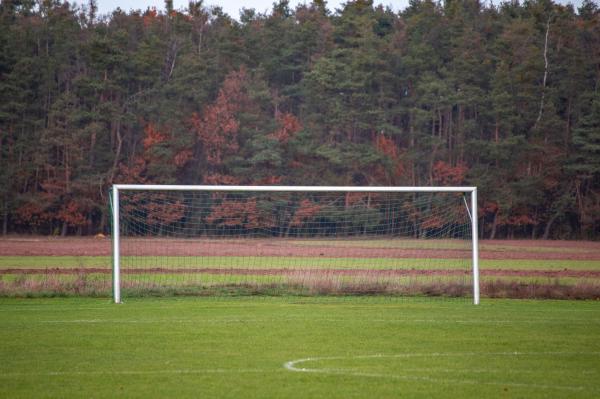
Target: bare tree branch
x,y
545,74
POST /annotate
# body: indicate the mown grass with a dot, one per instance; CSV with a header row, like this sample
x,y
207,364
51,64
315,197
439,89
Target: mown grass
x,y
289,262
557,247
34,262
237,347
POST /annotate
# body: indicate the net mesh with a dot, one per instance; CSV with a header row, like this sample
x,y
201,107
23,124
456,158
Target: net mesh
x,y
313,243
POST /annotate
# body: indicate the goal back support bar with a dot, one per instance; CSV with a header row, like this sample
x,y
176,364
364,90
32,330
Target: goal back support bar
x,y
207,188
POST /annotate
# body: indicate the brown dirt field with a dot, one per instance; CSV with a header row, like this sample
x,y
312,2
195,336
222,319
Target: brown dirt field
x,y
316,272
511,249
584,245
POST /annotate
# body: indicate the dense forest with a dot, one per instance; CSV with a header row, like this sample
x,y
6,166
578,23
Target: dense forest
x,y
505,97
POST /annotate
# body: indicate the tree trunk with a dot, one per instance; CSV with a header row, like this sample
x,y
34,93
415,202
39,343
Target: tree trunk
x,y
549,225
67,170
460,134
103,217
567,138
497,140
64,229
4,217
581,208
537,121
494,226
5,222
411,141
117,152
92,148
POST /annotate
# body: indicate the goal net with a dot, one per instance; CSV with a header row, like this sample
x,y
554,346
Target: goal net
x,y
236,240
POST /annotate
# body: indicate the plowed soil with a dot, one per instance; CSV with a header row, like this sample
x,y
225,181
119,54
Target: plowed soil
x,y
496,249
320,272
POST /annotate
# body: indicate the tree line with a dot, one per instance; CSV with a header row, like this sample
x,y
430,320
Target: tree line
x,y
505,97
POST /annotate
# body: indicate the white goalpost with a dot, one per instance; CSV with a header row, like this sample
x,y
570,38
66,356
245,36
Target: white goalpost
x,y
206,239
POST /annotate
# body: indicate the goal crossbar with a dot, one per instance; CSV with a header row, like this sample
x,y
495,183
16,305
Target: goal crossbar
x,y
116,188
364,189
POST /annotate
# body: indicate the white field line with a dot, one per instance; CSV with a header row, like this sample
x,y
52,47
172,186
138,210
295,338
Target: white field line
x,y
49,308
110,306
292,365
132,372
474,371
403,303
309,319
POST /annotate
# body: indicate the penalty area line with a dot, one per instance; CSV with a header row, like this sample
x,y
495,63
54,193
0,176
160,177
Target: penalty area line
x,y
292,319
133,372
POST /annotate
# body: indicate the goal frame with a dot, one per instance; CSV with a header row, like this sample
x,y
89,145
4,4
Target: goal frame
x,y
116,188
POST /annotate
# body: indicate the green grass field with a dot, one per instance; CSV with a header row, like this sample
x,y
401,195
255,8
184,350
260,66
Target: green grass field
x,y
294,347
440,244
283,262
315,344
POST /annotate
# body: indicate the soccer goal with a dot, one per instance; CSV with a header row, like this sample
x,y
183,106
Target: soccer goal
x,y
262,240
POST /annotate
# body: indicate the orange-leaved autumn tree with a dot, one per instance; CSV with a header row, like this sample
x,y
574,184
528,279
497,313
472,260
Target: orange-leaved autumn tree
x,y
305,212
217,128
159,162
58,204
152,211
392,174
445,174
288,126
240,213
